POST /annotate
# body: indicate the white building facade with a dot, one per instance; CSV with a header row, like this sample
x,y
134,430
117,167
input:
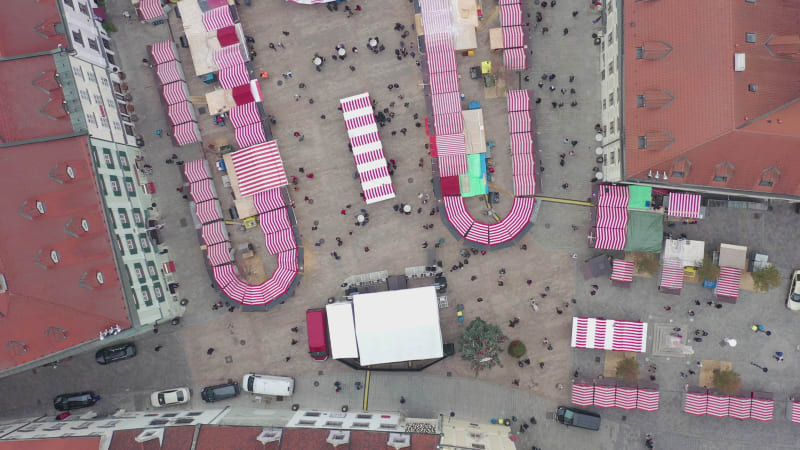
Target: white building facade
x,y
86,34
611,91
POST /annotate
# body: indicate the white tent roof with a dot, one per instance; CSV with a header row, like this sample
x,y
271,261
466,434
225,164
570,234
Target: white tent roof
x,y
341,330
690,253
396,326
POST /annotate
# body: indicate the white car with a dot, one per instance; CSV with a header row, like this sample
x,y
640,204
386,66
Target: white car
x,y
170,397
793,302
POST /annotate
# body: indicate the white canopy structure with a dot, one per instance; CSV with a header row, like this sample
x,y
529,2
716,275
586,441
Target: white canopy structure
x,y
342,330
395,326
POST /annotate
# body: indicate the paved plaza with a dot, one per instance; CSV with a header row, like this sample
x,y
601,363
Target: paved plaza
x,y
263,342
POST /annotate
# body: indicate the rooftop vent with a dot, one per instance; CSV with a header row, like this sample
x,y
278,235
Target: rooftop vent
x,y
738,62
338,437
147,435
653,50
269,435
399,440
3,284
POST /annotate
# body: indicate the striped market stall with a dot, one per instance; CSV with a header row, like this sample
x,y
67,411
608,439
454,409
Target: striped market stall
x,y
607,334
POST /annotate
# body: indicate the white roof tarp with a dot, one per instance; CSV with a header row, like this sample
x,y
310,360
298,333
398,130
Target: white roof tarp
x,y
342,330
690,253
395,326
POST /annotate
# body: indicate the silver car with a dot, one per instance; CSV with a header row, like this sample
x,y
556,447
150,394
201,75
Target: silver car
x,y
170,397
793,302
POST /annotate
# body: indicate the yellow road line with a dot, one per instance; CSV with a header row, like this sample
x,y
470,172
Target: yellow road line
x,y
366,391
563,200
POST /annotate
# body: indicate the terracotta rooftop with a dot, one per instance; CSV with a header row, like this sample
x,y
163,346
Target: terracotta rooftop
x,y
72,443
32,28
739,127
175,438
45,297
32,101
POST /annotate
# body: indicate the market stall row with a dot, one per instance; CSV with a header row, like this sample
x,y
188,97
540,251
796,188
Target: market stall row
x,y
514,54
755,405
611,393
607,334
175,92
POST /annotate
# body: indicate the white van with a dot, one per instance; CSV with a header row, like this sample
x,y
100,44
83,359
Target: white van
x,y
268,384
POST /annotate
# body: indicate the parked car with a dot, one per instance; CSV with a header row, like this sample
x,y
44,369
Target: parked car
x,y
115,353
268,384
170,397
574,417
75,400
220,392
317,326
793,302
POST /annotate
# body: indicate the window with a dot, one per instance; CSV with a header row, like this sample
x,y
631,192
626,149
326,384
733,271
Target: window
x,y
138,218
611,156
148,300
152,271
115,186
95,158
93,78
123,161
120,248
144,242
642,142
84,93
159,292
76,36
111,104
128,129
135,297
130,242
97,98
140,273
112,218
750,38
117,126
108,158
130,186
123,218
611,127
611,98
104,81
749,1
611,67
92,119
104,122
769,177
84,9
106,43
604,103
610,37
721,178
69,3
610,7
78,71
93,45
102,185
677,174
603,74
639,53
117,87
752,87
110,59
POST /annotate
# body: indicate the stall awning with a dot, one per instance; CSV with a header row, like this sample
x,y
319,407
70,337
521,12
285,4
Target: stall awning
x,y
452,165
196,170
524,184
511,15
610,393
440,53
684,205
519,100
444,82
717,405
739,407
452,123
522,164
610,238
671,274
795,410
519,121
179,113
521,143
150,9
186,133
274,221
250,135
169,72
762,407
208,211
268,200
583,394
175,92
452,144
729,282
457,214
613,196
280,241
605,395
513,36
288,260
513,223
242,95
622,270
217,18
229,56
202,191
237,75
219,254
214,233
227,36
696,402
479,233
163,51
515,59
244,115
446,103
258,168
606,334
608,217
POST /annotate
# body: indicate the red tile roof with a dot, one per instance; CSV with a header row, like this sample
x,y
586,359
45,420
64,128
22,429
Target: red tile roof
x,y
29,27
69,443
305,439
213,437
175,438
32,101
714,118
39,298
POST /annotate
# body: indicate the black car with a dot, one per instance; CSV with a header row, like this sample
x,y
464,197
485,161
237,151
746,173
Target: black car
x,y
76,400
574,417
220,392
115,353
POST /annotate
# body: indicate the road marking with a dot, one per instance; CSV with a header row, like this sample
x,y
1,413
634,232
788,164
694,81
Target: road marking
x,y
563,200
366,391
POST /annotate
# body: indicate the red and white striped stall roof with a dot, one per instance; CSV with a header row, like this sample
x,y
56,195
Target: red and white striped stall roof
x,y
219,254
521,143
214,233
452,165
608,217
179,113
288,260
451,144
250,135
437,22
717,404
378,193
258,168
605,396
244,115
696,403
444,82
457,214
684,205
236,75
607,334
522,163
229,56
186,133
196,170
647,399
268,200
150,9
519,121
625,397
519,100
513,37
583,394
739,407
611,238
434,5
175,92
795,411
208,211
163,51
274,221
446,103
524,184
761,408
479,233
515,59
440,53
448,123
280,241
513,223
612,195
202,191
511,15
622,270
509,2
169,72
672,274
217,18
729,282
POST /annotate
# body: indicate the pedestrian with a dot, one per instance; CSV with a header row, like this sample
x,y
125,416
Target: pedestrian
x,y
565,186
402,400
541,364
668,308
295,329
574,13
158,348
288,358
210,350
366,249
566,31
272,46
691,313
778,356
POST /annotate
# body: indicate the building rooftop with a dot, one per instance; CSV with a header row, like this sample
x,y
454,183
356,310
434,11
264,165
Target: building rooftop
x,y
71,443
50,306
32,106
175,438
702,118
33,27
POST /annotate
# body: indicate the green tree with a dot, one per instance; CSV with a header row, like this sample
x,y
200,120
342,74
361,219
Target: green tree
x,y
109,27
766,278
628,369
516,348
481,344
646,262
708,270
727,381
